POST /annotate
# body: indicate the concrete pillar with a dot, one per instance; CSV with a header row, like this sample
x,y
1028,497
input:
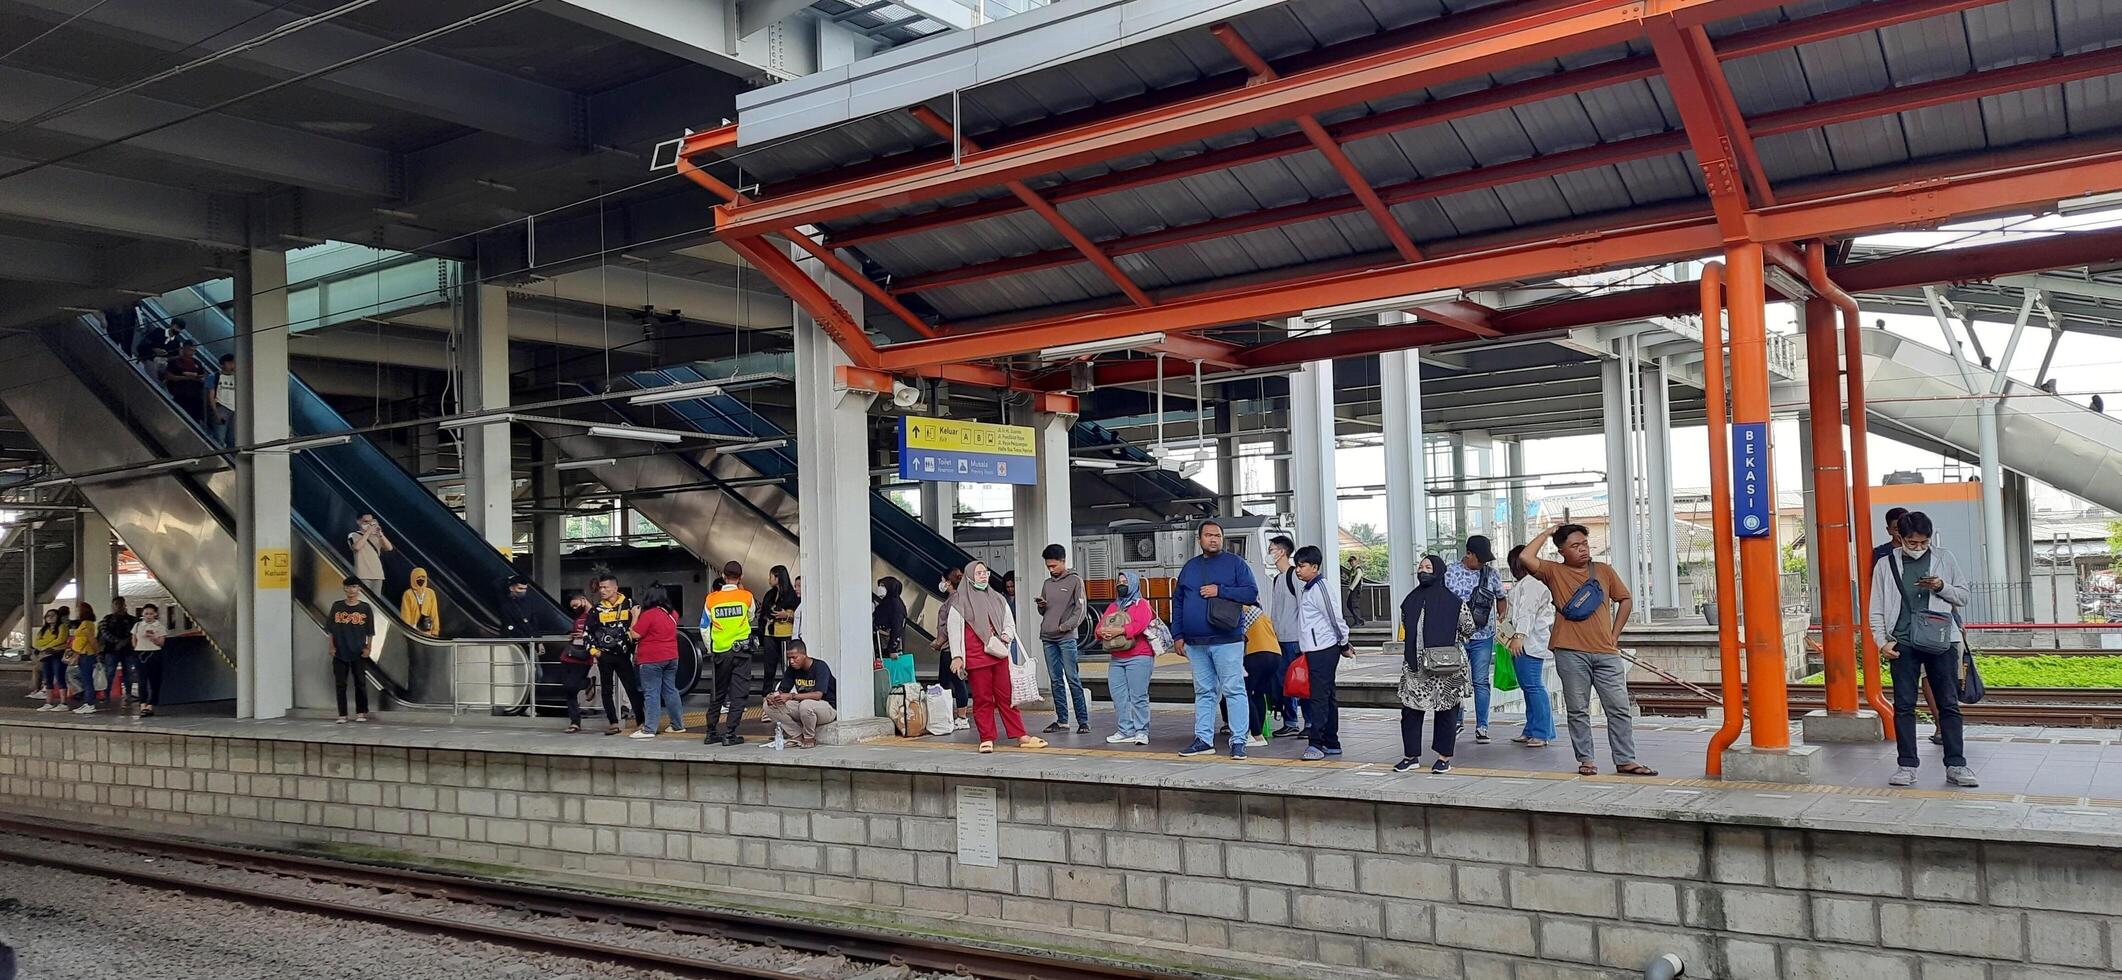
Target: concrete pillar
x,y
1808,464
1658,473
939,509
1620,479
1990,600
1406,470
832,480
1040,516
1226,427
95,564
548,528
489,481
2019,547
265,668
1516,458
1314,492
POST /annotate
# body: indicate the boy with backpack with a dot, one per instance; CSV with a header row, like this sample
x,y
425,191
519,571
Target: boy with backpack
x,y
1585,646
1476,584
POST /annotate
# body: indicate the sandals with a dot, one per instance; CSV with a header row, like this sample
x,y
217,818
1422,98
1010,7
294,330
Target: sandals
x,y
1587,769
1635,769
611,730
572,729
987,748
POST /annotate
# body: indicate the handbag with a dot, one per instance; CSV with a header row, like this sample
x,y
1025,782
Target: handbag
x,y
1589,598
1443,660
1297,680
1160,637
1506,674
1115,622
1971,687
1023,677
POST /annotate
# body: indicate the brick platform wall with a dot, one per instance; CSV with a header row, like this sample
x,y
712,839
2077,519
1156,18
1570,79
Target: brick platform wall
x,y
1245,883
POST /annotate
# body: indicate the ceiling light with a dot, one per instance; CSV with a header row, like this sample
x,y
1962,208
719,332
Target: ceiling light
x,y
171,464
318,443
2090,203
1789,286
751,447
630,432
142,293
1089,347
1096,464
1390,304
395,213
676,393
485,419
583,464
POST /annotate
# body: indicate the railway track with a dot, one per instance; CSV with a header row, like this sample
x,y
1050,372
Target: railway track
x,y
2050,706
787,934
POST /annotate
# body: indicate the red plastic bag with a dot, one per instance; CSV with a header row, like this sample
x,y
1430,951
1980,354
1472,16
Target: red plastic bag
x,y
1297,681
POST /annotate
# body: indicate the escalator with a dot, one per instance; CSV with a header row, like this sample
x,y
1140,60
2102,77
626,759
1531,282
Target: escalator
x,y
180,521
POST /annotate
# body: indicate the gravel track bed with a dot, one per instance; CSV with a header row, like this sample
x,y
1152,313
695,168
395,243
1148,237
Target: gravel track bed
x,y
68,925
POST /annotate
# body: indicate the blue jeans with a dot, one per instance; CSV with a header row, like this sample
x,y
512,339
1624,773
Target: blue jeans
x,y
659,692
1532,680
1128,682
1067,679
1291,707
1219,672
1481,662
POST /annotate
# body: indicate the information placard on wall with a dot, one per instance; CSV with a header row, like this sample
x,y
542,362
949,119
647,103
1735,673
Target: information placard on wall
x,y
979,843
950,451
1753,498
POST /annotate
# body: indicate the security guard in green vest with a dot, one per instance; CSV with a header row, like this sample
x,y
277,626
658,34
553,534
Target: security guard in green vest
x,y
726,617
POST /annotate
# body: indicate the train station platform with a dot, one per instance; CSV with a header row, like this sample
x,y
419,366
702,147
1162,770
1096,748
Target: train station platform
x,y
1510,866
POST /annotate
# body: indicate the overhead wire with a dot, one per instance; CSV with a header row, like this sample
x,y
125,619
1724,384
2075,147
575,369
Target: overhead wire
x,y
54,29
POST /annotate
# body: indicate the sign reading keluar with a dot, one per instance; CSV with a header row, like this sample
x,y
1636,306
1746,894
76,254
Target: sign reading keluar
x,y
951,451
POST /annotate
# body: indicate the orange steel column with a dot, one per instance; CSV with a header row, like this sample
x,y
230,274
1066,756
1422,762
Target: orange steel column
x,y
1859,477
1831,506
1767,691
1720,517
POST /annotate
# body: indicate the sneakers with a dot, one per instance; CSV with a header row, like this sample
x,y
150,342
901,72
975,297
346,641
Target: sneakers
x,y
86,709
1440,767
1255,741
733,739
1314,753
52,707
1119,738
1141,738
1288,731
1197,747
1903,776
641,733
1237,751
1960,776
1405,764
960,724
1481,736
39,695
1333,752
1059,726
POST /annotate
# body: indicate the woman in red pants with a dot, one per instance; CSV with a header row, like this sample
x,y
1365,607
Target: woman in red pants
x,y
982,633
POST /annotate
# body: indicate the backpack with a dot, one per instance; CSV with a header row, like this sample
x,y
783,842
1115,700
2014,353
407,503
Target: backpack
x,y
1586,601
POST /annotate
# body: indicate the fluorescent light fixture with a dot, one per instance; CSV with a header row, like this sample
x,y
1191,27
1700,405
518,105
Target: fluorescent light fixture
x,y
83,310
676,393
1390,304
749,447
300,239
171,464
1089,347
395,213
487,419
2090,203
583,464
629,432
1096,464
142,293
1790,286
318,443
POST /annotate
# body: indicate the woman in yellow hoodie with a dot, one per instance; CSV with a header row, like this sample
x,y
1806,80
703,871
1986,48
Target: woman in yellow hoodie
x,y
50,642
84,647
419,608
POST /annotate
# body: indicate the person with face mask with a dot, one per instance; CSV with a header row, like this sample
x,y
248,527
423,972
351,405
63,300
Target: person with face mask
x,y
961,696
419,607
575,661
777,621
1434,618
887,616
1916,596
983,635
1124,633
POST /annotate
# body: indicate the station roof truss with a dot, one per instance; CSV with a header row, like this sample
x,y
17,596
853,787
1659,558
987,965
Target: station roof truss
x,y
1205,180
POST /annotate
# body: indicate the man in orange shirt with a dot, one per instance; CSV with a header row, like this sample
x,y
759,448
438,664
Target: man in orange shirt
x,y
1592,606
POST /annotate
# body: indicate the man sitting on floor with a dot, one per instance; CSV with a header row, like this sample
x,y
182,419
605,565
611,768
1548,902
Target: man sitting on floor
x,y
805,700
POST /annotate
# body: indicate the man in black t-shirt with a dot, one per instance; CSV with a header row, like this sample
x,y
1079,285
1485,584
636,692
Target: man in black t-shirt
x,y
353,629
805,700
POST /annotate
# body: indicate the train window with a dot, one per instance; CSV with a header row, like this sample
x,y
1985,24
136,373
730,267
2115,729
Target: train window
x,y
1237,544
1139,546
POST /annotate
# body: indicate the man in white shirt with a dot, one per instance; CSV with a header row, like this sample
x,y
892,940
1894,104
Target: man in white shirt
x,y
148,636
1529,614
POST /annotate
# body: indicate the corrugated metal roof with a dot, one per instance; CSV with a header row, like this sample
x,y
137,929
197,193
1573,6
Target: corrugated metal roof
x,y
2007,33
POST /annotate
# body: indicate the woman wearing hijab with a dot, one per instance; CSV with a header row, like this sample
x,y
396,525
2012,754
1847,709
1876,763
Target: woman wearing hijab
x,y
419,607
961,696
1127,621
777,620
887,618
1437,627
982,632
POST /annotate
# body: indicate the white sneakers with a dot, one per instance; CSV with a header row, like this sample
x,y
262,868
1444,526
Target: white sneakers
x,y
54,706
39,695
961,724
1254,741
641,733
1119,738
1141,738
85,709
1961,776
1903,776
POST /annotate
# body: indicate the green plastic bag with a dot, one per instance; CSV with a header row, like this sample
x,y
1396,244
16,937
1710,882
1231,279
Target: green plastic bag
x,y
1506,678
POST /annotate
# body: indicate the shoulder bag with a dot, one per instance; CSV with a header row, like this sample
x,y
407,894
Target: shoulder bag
x,y
1588,599
1928,631
1440,659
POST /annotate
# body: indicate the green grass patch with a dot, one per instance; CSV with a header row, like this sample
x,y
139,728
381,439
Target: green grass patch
x,y
2041,671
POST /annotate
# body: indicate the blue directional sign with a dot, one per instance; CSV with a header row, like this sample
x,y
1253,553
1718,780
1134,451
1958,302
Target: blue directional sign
x,y
1753,499
950,451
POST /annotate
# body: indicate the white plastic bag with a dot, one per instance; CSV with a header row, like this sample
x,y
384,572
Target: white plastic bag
x,y
1023,678
940,708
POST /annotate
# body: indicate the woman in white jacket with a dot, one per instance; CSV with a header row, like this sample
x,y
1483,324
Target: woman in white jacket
x,y
1916,595
983,640
1528,619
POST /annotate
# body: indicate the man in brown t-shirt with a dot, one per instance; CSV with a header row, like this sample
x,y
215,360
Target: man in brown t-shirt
x,y
1586,652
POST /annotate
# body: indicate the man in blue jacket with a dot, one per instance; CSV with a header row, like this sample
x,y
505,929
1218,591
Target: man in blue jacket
x,y
1216,652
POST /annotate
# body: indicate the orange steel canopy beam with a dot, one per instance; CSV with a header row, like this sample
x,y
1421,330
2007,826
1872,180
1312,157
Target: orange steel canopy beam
x,y
1460,315
1726,153
1081,242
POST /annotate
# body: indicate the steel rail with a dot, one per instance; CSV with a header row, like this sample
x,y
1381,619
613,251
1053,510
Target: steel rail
x,y
793,934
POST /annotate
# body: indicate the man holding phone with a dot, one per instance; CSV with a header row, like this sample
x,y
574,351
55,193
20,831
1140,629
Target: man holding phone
x,y
1916,596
